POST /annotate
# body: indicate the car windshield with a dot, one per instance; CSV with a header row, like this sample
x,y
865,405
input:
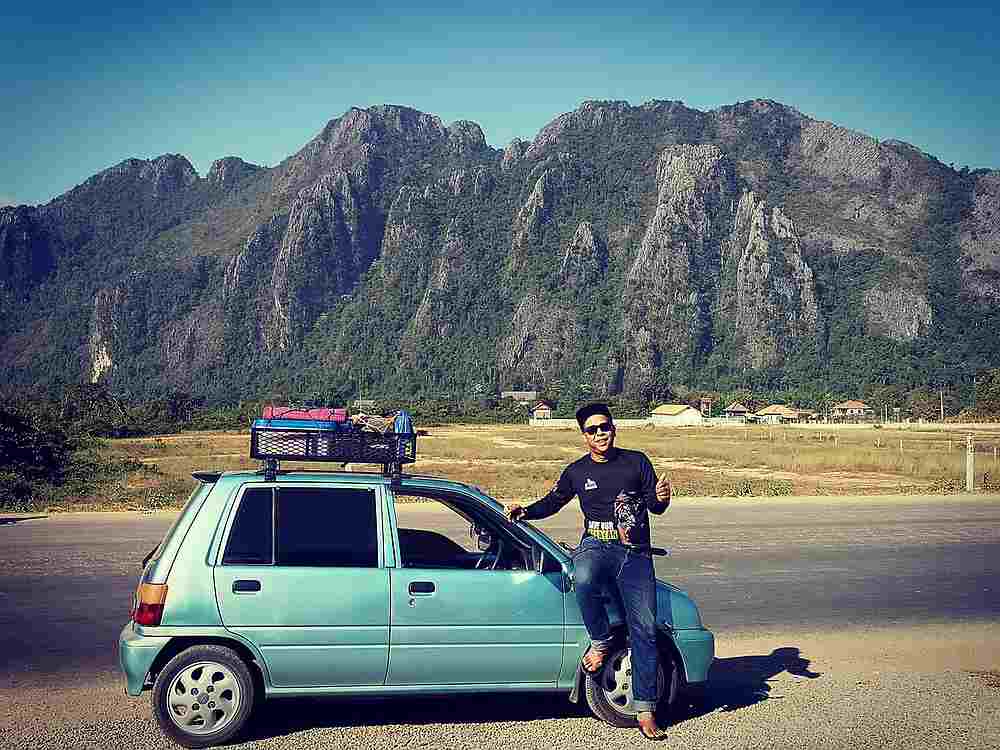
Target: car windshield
x,y
499,506
537,530
561,544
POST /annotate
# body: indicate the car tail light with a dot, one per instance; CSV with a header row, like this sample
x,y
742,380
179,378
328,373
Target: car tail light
x,y
149,601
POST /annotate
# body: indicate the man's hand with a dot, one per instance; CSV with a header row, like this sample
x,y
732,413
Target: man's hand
x,y
664,490
514,512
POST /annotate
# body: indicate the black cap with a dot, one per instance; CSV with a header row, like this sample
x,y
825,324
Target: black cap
x,y
586,412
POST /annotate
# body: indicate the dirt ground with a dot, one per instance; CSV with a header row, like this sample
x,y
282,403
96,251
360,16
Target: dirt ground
x,y
692,471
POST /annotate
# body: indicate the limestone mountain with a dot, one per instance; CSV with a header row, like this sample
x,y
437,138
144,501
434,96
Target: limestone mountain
x,y
624,249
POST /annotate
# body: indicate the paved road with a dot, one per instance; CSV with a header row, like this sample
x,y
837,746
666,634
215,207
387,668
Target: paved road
x,y
841,622
750,564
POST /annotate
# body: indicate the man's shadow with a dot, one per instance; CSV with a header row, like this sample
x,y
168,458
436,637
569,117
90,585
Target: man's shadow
x,y
733,683
741,681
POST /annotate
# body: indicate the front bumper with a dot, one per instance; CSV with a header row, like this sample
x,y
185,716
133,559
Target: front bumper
x,y
136,654
697,649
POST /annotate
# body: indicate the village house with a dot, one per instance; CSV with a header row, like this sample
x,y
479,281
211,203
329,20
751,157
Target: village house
x,y
672,415
541,410
735,412
778,414
851,411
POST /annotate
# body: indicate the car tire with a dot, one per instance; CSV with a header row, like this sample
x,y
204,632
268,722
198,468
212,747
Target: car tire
x,y
203,696
609,692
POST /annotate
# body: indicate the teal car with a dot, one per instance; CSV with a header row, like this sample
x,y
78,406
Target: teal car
x,y
319,583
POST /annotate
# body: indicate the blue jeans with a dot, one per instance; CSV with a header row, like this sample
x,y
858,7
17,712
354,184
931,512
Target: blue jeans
x,y
597,565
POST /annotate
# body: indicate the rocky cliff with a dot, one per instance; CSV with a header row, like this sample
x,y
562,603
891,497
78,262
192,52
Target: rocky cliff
x,y
979,239
624,247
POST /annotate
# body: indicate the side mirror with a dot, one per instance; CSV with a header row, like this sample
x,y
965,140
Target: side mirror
x,y
483,537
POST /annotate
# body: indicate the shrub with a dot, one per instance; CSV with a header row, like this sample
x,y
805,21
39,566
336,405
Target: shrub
x,y
743,488
777,488
31,448
15,492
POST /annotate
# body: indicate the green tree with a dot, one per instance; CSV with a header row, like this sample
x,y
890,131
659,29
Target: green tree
x,y
32,449
987,394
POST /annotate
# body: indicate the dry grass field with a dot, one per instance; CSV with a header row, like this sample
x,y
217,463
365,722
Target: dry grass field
x,y
520,462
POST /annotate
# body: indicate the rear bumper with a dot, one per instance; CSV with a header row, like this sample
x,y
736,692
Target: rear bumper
x,y
697,650
136,654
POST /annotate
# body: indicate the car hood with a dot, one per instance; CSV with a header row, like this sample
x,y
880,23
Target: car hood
x,y
675,609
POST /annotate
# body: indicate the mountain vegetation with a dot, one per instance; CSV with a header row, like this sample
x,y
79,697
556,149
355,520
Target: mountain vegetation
x,y
632,252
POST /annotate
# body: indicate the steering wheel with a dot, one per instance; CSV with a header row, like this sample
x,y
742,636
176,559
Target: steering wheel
x,y
490,560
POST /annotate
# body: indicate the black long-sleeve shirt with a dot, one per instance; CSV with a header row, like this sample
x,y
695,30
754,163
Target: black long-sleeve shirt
x,y
614,494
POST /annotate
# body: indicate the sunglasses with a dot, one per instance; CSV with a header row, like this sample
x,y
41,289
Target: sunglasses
x,y
602,427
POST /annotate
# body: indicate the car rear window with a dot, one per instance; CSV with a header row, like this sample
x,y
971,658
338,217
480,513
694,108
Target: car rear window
x,y
197,493
326,526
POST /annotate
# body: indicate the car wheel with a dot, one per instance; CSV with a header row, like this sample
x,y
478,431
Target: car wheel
x,y
609,692
203,696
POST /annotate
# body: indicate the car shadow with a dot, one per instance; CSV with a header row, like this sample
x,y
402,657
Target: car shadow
x,y
741,681
284,716
734,683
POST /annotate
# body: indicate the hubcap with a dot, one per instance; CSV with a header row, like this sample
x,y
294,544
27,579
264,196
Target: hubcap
x,y
616,682
187,698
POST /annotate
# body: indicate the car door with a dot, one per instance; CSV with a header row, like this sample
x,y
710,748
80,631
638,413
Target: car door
x,y
301,577
457,625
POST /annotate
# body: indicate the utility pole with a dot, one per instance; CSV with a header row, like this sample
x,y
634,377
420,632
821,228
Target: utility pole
x,y
942,404
970,461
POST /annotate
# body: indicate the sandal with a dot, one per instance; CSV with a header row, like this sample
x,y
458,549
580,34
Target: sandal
x,y
599,667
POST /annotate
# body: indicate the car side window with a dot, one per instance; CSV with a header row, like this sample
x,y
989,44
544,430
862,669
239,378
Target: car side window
x,y
251,540
326,527
434,533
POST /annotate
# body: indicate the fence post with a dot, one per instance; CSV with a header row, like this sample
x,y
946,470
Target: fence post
x,y
970,463
901,447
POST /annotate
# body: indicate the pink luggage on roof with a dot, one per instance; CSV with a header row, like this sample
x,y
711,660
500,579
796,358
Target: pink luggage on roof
x,y
295,412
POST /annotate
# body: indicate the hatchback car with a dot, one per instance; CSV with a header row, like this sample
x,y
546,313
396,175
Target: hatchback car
x,y
317,583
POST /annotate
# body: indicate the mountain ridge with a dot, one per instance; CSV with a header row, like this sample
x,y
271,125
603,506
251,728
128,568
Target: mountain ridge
x,y
413,254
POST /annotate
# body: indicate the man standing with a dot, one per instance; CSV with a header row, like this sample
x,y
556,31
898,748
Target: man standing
x,y
616,488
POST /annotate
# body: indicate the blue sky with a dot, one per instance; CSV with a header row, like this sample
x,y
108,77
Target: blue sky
x,y
88,87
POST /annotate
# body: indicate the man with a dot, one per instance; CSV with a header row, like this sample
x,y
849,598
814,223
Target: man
x,y
616,488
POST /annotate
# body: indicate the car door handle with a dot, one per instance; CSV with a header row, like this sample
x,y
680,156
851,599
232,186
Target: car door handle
x,y
246,587
417,588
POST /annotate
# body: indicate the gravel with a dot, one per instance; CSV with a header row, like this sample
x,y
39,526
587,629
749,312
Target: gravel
x,y
905,687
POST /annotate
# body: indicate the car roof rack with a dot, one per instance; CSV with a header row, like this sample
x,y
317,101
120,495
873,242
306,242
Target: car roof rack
x,y
272,441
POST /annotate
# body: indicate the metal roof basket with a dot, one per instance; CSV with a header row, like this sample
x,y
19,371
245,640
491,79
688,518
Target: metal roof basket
x,y
284,440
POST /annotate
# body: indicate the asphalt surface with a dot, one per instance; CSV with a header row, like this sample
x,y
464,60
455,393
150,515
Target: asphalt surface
x,y
845,622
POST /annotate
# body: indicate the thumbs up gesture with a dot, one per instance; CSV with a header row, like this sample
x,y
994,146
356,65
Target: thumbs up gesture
x,y
664,490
